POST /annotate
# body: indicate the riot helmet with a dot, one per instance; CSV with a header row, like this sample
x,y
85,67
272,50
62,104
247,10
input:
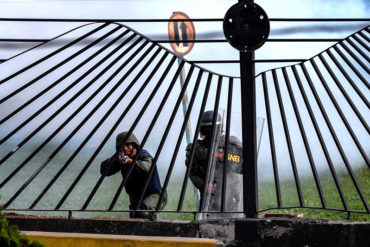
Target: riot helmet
x,y
131,139
206,123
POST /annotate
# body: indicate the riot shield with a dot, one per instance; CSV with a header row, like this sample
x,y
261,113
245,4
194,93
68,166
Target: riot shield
x,y
229,187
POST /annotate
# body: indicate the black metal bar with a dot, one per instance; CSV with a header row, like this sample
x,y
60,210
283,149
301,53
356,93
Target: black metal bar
x,y
268,40
287,138
70,72
194,19
331,129
272,140
318,132
53,53
107,81
141,113
353,68
304,137
25,40
194,144
204,202
357,48
357,90
364,37
248,101
337,107
179,139
210,40
51,69
227,143
254,61
362,43
107,114
366,68
56,37
62,144
166,211
69,101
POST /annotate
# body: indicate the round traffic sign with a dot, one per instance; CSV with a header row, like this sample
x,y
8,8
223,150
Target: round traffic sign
x,y
181,31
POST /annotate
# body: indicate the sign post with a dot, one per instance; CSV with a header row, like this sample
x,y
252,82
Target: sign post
x,y
182,32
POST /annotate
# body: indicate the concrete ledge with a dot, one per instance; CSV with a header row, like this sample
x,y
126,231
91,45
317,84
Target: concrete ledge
x,y
274,232
53,239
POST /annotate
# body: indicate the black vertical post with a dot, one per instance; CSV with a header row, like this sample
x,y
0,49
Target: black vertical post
x,y
248,101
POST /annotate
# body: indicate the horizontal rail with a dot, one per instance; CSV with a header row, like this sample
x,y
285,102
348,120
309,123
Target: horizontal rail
x,y
170,211
255,61
192,40
192,19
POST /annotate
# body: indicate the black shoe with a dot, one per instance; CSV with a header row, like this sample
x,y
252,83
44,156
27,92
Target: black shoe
x,y
140,215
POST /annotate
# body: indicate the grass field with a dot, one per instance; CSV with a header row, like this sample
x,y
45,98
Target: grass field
x,y
107,190
267,198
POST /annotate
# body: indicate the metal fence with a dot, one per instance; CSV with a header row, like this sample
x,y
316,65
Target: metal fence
x,y
64,101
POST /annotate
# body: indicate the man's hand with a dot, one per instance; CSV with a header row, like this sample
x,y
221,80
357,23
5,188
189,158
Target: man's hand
x,y
128,160
212,187
124,159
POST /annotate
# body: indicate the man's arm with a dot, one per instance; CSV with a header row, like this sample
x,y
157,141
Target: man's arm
x,y
110,166
144,163
197,181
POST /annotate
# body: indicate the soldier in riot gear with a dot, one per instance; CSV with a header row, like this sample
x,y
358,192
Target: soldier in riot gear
x,y
122,160
213,154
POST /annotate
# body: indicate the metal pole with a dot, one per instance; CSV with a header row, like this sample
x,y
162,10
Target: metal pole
x,y
185,103
248,100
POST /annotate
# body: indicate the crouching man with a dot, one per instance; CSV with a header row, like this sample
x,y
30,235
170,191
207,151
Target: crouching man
x,y
126,156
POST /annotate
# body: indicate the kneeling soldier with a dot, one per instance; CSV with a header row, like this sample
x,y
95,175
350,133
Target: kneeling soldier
x,y
122,160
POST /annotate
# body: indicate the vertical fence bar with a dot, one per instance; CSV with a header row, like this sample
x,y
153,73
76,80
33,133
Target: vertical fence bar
x,y
288,139
337,107
305,139
332,131
319,135
272,140
359,51
361,42
195,141
348,98
353,55
248,99
353,68
209,176
227,138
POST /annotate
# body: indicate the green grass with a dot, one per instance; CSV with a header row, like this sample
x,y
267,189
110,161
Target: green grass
x,y
267,197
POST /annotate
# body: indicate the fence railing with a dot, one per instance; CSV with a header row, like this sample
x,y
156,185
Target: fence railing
x,y
63,103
